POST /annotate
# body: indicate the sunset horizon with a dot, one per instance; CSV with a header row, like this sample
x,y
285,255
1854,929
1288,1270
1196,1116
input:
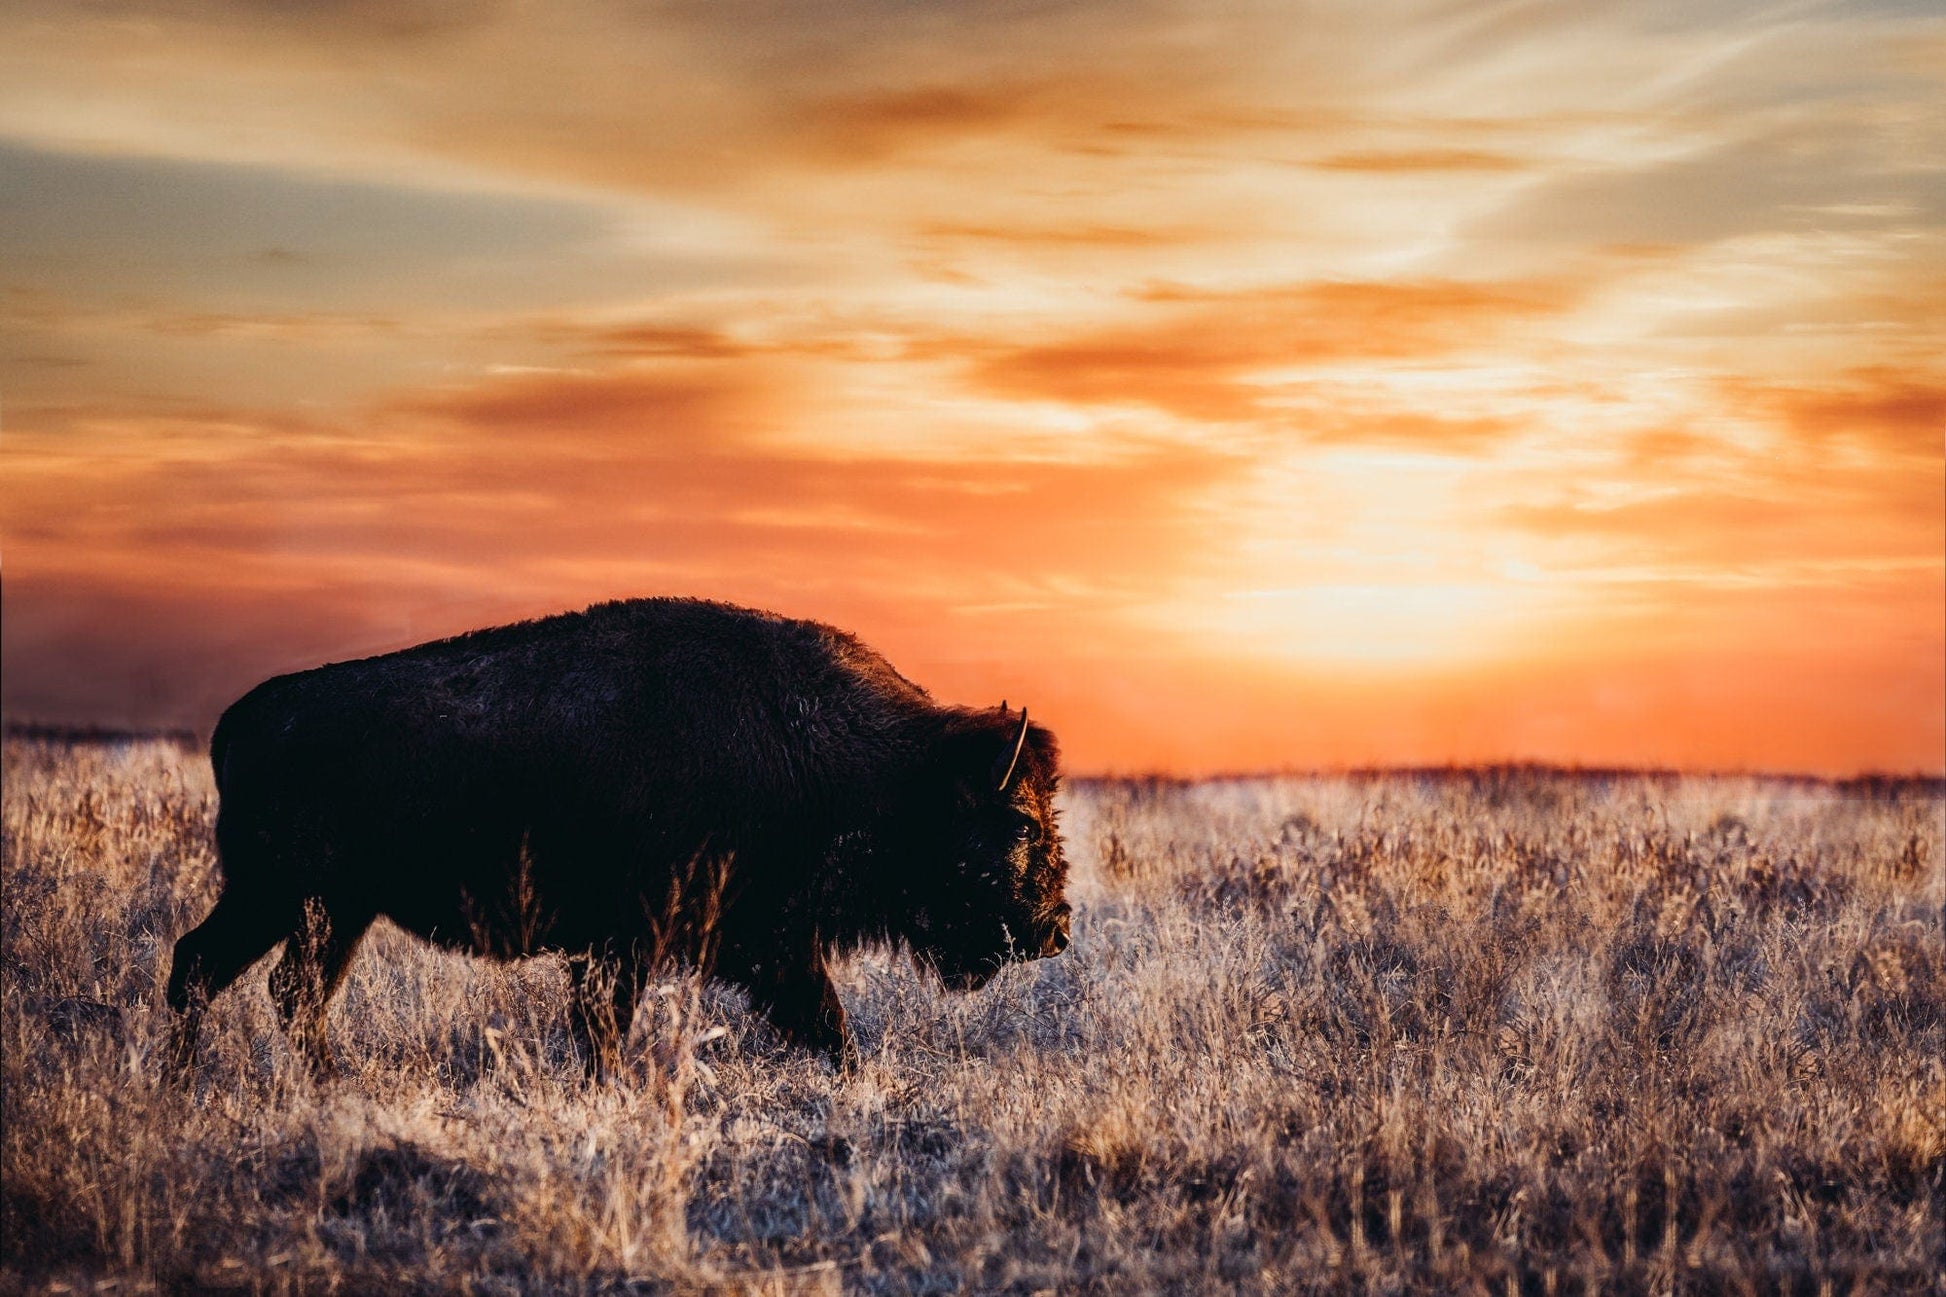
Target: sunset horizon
x,y
1239,388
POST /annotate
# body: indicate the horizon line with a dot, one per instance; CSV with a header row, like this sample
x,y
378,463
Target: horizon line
x,y
189,737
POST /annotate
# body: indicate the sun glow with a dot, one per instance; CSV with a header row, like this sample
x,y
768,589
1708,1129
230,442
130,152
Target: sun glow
x,y
1378,625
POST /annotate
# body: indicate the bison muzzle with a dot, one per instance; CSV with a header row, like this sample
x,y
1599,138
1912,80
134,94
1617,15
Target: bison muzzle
x,y
646,784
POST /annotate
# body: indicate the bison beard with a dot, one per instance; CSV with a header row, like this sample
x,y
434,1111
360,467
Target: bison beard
x,y
646,783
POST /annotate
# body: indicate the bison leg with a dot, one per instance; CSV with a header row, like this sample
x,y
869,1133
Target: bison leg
x,y
314,963
237,933
601,1007
800,1001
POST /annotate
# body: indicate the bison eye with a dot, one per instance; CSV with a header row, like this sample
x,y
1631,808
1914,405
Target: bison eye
x,y
1026,830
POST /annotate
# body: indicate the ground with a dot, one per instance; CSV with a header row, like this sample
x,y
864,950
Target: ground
x,y
1501,1031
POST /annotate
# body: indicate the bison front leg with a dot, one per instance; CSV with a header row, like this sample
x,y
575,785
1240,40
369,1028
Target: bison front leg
x,y
601,1007
238,932
800,1001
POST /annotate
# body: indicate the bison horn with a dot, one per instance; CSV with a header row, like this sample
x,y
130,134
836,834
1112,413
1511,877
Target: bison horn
x,y
1014,760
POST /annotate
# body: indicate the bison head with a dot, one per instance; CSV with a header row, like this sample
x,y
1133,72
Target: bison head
x,y
999,893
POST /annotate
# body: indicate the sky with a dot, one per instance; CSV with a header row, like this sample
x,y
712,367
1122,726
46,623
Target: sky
x,y
1239,386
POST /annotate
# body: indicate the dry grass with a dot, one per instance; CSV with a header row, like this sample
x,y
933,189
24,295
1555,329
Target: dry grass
x,y
1509,1032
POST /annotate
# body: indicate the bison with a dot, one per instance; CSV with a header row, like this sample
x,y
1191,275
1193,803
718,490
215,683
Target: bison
x,y
645,783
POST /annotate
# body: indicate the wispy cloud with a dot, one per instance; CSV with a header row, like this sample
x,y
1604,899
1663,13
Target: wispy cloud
x,y
1208,354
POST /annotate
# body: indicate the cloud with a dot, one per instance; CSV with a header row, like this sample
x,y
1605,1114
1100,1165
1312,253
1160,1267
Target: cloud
x,y
868,128
1200,354
688,341
1412,161
1895,410
627,411
526,493
1349,422
121,229
1061,236
1805,510
1817,176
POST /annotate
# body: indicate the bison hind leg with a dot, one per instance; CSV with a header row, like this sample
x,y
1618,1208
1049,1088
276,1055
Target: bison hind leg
x,y
315,959
238,932
601,1006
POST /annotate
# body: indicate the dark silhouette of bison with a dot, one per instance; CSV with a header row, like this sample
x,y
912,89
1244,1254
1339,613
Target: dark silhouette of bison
x,y
645,783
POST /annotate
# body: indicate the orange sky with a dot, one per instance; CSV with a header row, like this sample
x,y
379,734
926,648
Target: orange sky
x,y
1237,385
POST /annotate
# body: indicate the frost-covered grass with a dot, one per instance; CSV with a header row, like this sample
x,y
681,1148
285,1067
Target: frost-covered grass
x,y
1500,1031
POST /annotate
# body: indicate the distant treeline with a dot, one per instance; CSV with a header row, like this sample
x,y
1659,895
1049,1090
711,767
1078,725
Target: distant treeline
x,y
49,732
1512,776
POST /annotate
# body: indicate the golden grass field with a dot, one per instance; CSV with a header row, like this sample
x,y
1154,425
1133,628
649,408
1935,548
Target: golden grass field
x,y
1495,1031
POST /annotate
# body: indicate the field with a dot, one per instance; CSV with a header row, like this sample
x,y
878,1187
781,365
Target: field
x,y
1500,1031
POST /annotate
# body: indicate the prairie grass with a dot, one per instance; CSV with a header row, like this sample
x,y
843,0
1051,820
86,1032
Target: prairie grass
x,y
1496,1031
